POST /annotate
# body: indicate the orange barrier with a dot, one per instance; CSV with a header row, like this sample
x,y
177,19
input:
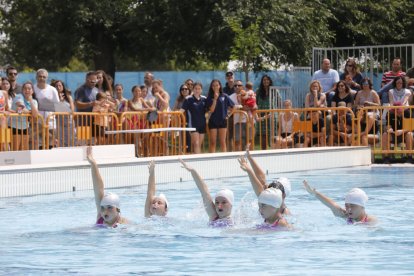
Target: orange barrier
x,y
310,127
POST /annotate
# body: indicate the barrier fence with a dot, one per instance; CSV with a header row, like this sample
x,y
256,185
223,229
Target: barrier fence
x,y
386,129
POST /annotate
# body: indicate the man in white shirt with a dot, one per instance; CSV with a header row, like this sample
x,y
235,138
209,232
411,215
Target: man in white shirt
x,y
328,78
46,96
148,78
239,120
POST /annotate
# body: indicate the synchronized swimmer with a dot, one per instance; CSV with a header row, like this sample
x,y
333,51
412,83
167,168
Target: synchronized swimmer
x,y
107,204
271,199
354,211
219,211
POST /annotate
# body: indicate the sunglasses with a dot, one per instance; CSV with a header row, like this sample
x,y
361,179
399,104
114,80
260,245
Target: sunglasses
x,y
12,74
238,85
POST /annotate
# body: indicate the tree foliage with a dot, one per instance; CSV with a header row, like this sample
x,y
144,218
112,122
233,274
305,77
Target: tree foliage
x,y
165,34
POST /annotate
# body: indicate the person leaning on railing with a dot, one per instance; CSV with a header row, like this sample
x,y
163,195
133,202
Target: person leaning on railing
x,y
24,104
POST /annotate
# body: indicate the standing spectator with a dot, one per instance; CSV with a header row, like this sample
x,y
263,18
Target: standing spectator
x,y
328,78
315,97
24,103
183,93
239,120
4,107
5,85
396,71
229,87
352,71
104,85
399,93
263,102
85,95
195,108
101,105
46,96
11,73
218,104
121,102
148,79
190,85
65,125
161,97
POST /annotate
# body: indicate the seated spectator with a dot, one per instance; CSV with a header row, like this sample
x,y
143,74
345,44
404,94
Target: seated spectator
x,y
342,126
352,75
342,94
367,97
399,93
318,135
389,76
394,132
286,137
370,128
315,97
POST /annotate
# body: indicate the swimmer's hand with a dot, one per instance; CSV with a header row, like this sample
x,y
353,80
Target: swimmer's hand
x,y
89,155
247,154
185,166
308,188
244,165
151,166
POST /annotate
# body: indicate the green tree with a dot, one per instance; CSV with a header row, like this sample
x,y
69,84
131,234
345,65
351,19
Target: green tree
x,y
246,45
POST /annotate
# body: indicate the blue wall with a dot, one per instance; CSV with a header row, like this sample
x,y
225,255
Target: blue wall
x,y
298,80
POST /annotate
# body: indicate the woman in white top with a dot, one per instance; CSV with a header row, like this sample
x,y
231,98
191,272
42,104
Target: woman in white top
x,y
285,134
399,93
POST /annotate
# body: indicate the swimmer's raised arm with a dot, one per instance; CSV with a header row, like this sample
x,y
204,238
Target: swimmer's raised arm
x,y
98,185
205,194
335,208
151,188
256,184
256,168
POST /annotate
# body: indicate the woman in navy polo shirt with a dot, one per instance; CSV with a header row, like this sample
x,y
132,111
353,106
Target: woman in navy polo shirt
x,y
195,108
218,104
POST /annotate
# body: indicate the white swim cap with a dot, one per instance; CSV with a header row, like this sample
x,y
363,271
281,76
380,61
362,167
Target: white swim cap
x,y
227,194
356,196
272,197
163,197
286,185
110,199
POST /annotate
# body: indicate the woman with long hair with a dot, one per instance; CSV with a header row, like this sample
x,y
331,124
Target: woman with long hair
x,y
218,103
65,133
263,102
352,75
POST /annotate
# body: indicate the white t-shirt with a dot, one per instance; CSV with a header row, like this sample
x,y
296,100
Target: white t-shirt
x,y
327,80
236,117
46,98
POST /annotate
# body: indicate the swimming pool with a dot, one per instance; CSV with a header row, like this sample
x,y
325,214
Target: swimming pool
x,y
52,234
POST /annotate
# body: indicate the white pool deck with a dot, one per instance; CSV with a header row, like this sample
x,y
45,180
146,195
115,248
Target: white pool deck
x,y
66,169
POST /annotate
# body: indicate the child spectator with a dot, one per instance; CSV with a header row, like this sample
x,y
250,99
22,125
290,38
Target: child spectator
x,y
101,105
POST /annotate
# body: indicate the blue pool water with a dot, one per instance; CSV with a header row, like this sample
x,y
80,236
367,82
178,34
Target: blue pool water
x,y
52,235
